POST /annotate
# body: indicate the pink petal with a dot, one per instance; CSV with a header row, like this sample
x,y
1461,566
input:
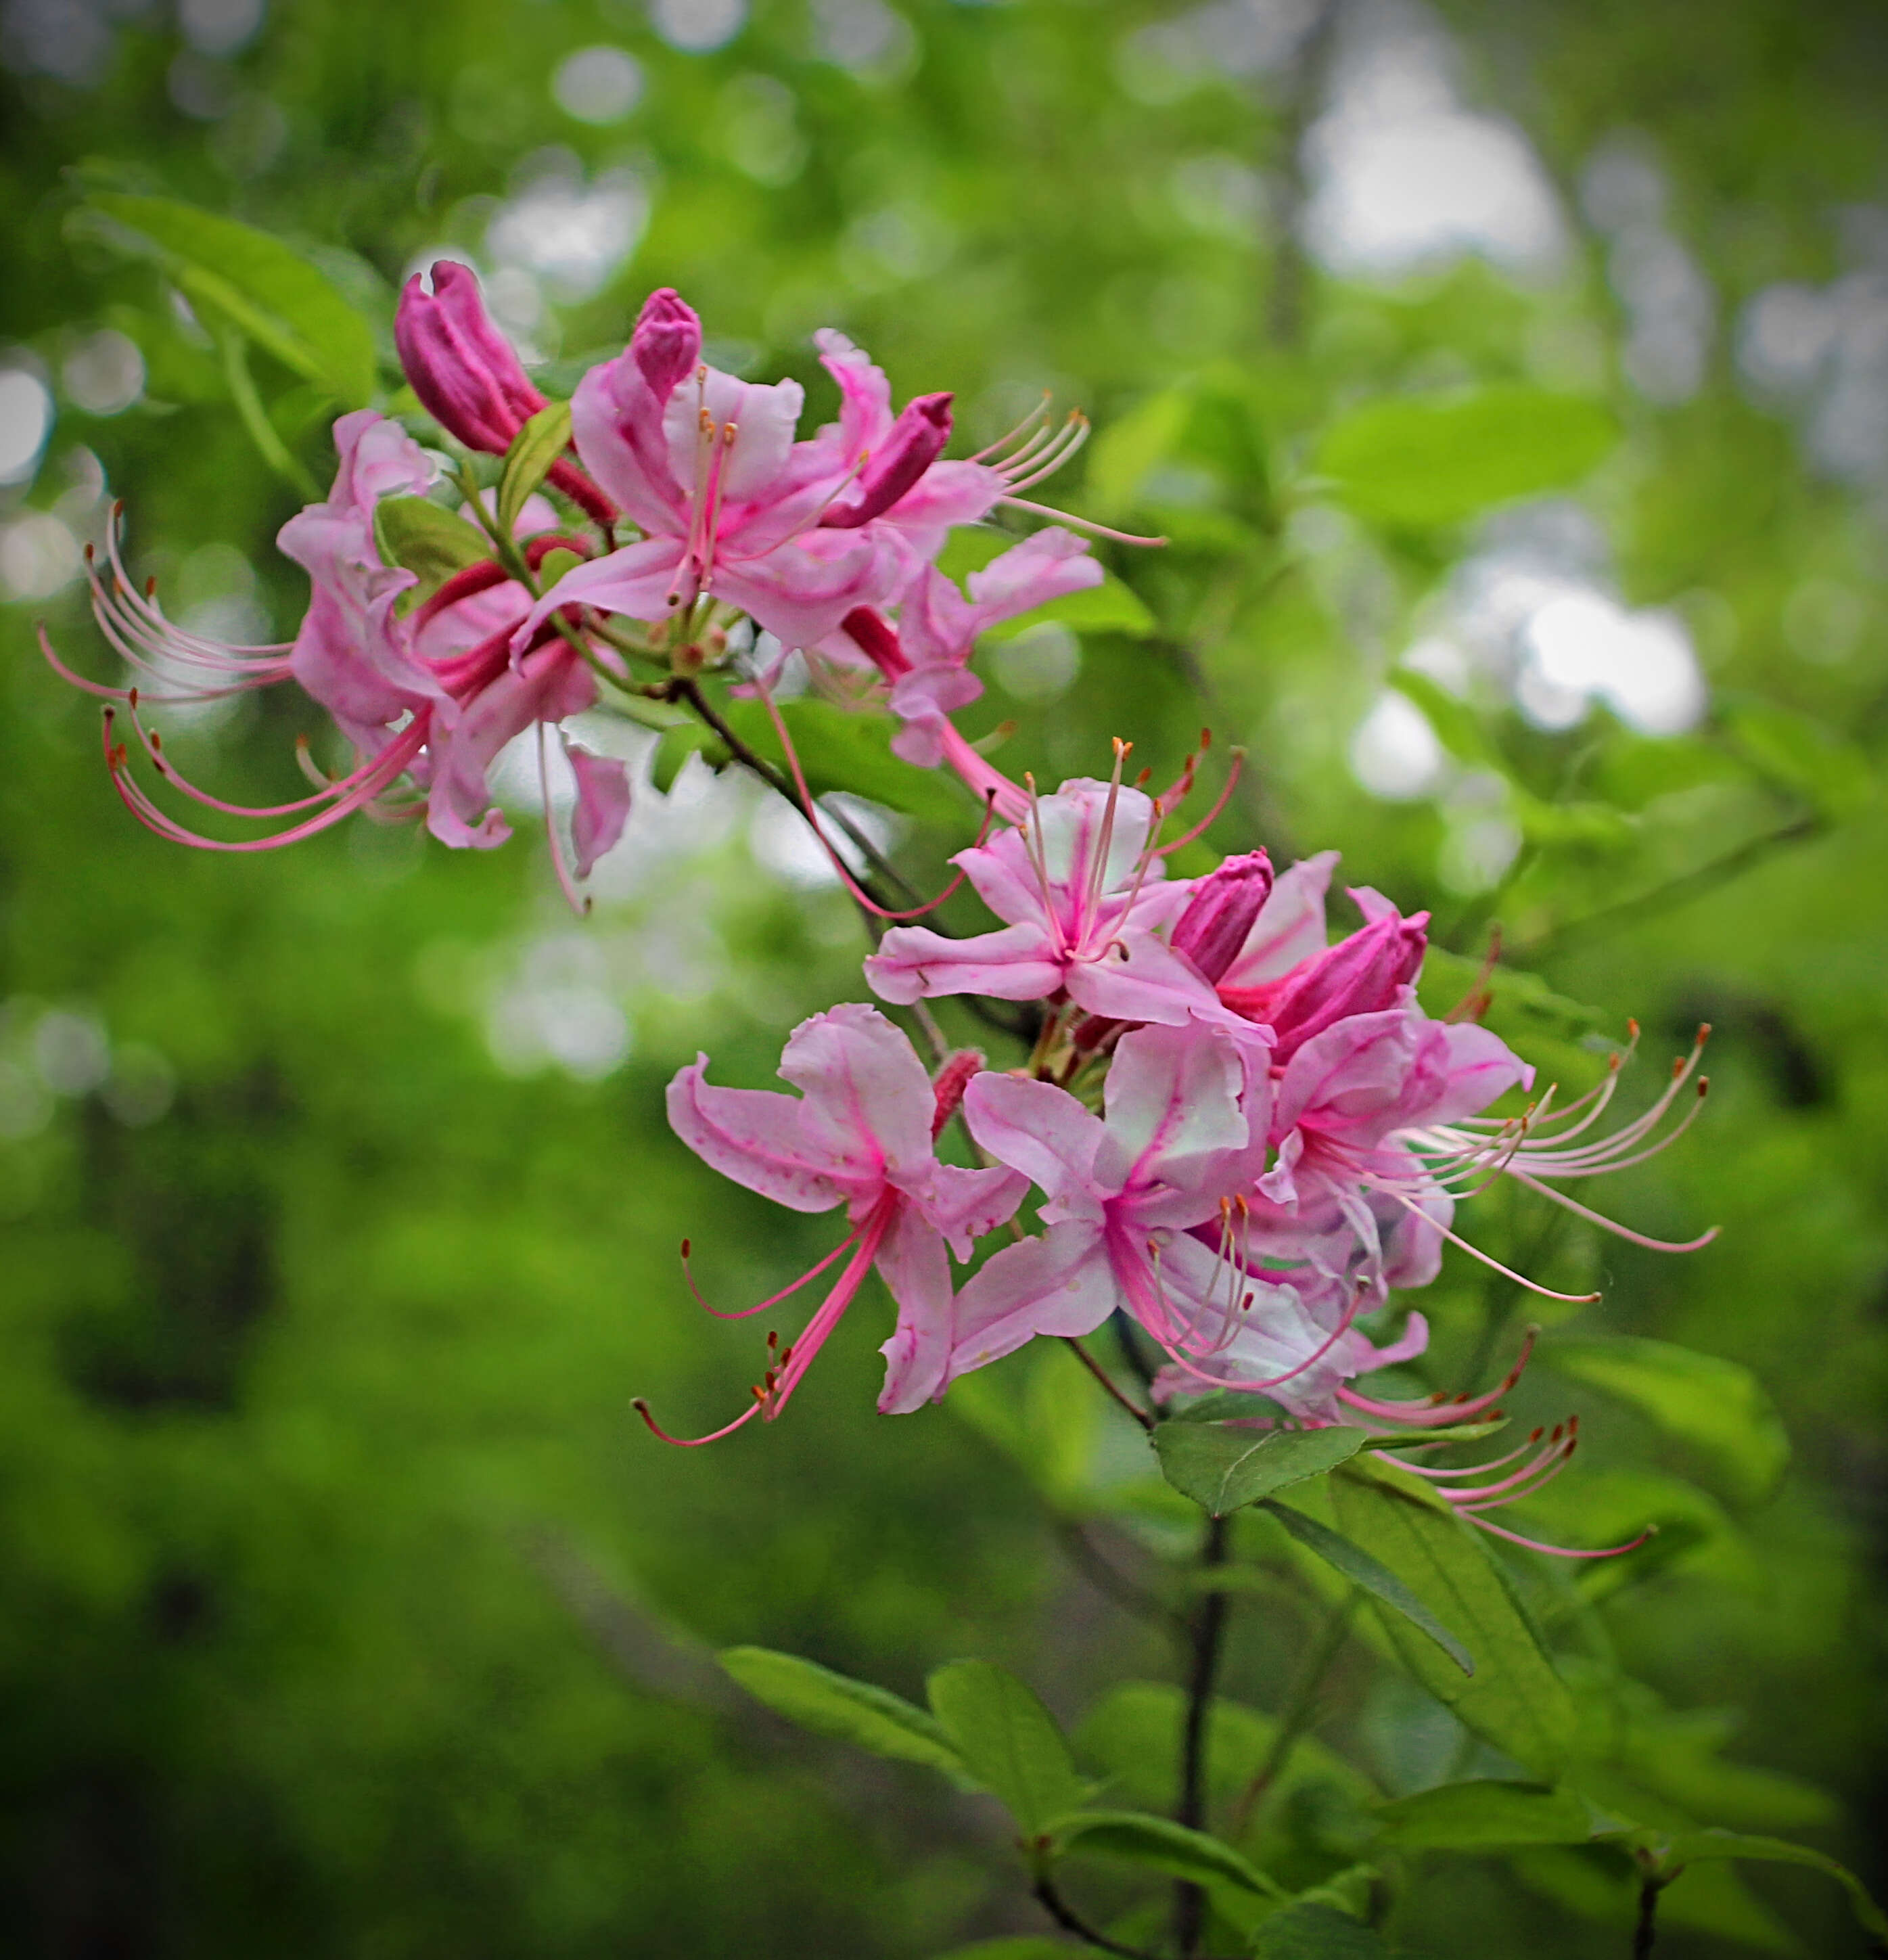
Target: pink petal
x,y
912,1264
1173,1107
1044,1132
912,962
754,1136
635,581
1050,565
868,1100
1139,979
965,1204
801,590
1059,1284
617,421
603,805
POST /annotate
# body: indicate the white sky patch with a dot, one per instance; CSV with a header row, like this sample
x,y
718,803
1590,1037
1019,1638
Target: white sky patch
x,y
1394,754
569,233
1822,354
1584,647
1403,177
695,26
25,421
104,374
601,84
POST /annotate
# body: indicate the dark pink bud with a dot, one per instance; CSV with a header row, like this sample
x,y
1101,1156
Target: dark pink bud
x,y
916,440
462,368
1220,913
667,341
952,1080
1361,975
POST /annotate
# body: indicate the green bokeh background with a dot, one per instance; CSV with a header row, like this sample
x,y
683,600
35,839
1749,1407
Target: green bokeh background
x,y
345,1608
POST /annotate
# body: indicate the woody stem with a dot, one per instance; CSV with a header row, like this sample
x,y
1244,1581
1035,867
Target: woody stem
x,y
1208,1636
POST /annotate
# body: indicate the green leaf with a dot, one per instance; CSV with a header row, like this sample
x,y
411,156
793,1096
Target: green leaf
x,y
851,1711
1139,1839
1458,1432
534,448
417,534
1456,724
1008,1740
1484,1815
1373,1577
1312,1932
1801,756
1716,1408
1515,1701
1223,1469
1689,1848
842,748
256,283
1416,463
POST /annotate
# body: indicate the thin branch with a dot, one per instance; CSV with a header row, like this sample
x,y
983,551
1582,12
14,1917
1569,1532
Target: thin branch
x,y
1100,1373
1646,1932
1209,1634
1676,892
1065,1917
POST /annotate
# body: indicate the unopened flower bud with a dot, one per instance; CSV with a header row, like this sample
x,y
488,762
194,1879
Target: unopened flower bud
x,y
462,368
916,440
667,341
1361,975
1220,914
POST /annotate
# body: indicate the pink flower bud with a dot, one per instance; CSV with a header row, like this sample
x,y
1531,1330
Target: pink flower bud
x,y
667,341
1220,913
1361,975
916,440
462,368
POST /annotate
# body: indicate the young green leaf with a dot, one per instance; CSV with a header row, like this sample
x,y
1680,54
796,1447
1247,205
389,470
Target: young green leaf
x,y
1484,1815
528,462
433,542
1373,1577
1691,1847
1416,463
257,284
1312,1932
1515,1701
1136,1838
840,749
1007,1739
1716,1408
1223,1469
1024,1948
851,1711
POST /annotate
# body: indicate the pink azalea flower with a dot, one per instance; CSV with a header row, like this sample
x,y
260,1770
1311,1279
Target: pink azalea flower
x,y
794,533
927,660
1083,893
861,1133
1181,1139
427,697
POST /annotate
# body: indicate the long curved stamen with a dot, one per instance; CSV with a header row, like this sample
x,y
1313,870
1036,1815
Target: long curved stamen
x,y
1080,523
1218,804
1475,1252
773,1299
1038,414
662,1435
1096,880
1439,1410
367,784
1564,1551
1612,1225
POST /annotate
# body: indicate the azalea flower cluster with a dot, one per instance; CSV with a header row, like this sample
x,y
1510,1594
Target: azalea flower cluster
x,y
827,543
1241,1135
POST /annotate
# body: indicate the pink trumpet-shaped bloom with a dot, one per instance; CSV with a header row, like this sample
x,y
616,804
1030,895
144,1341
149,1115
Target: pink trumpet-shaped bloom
x,y
927,660
794,533
1182,1136
860,1133
468,376
427,697
1082,896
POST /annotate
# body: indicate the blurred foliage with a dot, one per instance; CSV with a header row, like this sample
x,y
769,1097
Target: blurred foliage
x,y
345,1608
